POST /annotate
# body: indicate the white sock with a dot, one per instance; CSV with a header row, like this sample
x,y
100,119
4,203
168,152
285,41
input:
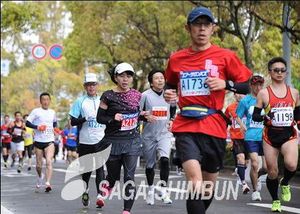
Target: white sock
x,y
151,188
163,190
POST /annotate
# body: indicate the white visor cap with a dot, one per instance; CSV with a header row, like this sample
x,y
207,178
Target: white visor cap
x,y
122,67
90,77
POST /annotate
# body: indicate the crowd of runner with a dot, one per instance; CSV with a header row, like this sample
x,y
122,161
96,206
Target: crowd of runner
x,y
185,101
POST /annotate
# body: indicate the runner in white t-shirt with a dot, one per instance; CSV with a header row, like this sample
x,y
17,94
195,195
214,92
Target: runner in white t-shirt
x,y
43,121
83,114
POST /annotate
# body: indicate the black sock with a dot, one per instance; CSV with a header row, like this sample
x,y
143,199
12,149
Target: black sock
x,y
99,177
207,202
262,171
272,185
195,205
21,161
5,157
164,169
287,176
129,189
86,178
241,171
150,175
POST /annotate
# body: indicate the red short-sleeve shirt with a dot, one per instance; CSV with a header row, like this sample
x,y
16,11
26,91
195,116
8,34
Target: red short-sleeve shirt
x,y
215,62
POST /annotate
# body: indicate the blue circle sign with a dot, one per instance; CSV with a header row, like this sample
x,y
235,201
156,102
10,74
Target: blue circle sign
x,y
56,51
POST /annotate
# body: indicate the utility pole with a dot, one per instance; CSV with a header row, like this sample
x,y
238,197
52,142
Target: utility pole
x,y
286,42
86,67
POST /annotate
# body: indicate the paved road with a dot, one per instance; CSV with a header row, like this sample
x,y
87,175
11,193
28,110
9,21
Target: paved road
x,y
18,196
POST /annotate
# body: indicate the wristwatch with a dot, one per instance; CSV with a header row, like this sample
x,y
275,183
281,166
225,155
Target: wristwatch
x,y
229,85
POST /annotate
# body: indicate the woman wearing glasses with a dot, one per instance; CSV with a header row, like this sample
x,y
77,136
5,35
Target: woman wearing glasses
x,y
282,106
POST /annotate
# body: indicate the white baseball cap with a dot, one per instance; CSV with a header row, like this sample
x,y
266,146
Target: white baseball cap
x,y
122,67
90,77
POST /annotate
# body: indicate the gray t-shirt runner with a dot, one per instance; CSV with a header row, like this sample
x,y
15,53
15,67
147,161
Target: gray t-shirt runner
x,y
158,107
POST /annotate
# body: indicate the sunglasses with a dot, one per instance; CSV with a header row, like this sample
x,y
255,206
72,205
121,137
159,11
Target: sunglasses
x,y
91,84
277,70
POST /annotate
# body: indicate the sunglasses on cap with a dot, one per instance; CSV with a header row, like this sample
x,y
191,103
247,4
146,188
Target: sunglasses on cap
x,y
257,79
277,70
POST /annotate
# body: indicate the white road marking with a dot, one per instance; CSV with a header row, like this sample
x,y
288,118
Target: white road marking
x,y
285,208
5,211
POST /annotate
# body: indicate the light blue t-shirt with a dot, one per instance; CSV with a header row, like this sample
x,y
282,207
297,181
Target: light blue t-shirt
x,y
91,131
246,108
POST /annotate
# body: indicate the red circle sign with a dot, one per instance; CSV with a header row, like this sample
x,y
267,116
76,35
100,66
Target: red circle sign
x,y
39,51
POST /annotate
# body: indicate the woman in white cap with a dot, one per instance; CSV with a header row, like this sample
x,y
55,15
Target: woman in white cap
x,y
119,111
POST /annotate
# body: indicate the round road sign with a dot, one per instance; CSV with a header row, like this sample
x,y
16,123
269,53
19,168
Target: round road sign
x,y
55,51
39,51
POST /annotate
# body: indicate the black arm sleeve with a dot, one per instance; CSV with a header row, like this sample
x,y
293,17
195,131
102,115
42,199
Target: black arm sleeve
x,y
54,124
142,118
297,113
256,115
169,86
103,118
240,88
77,121
172,112
297,116
30,125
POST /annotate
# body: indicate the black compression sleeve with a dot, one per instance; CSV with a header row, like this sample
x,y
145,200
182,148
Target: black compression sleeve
x,y
103,118
256,115
169,86
297,113
142,118
172,112
77,121
30,125
297,116
238,87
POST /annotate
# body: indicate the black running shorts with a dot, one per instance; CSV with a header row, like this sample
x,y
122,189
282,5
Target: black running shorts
x,y
42,145
208,150
277,136
239,146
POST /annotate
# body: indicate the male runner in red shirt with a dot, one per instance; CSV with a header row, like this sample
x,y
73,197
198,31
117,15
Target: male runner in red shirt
x,y
200,74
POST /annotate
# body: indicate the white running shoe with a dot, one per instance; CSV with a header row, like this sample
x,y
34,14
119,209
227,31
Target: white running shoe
x,y
166,198
150,197
245,188
256,196
235,172
258,184
100,201
39,182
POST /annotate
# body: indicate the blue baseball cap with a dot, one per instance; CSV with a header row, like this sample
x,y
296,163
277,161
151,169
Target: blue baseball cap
x,y
200,11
